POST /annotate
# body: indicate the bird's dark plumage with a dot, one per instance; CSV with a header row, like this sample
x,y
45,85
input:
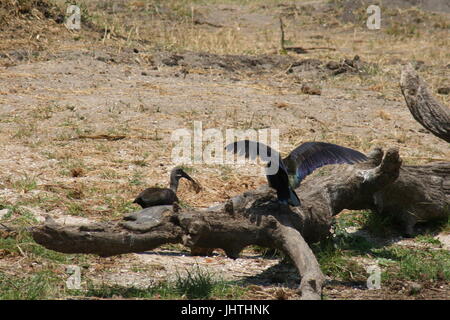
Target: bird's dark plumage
x,y
309,156
279,180
252,149
302,161
156,196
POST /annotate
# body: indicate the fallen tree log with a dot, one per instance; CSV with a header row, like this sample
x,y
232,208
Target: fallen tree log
x,y
431,114
255,218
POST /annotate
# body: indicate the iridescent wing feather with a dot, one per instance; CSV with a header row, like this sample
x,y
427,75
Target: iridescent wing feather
x,y
312,155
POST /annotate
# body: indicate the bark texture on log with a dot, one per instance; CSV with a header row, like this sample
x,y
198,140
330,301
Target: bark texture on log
x,y
431,114
420,194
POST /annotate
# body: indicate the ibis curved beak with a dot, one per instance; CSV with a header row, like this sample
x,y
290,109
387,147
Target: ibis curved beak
x,y
185,175
195,184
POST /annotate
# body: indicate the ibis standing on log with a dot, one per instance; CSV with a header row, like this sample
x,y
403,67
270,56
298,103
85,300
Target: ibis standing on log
x,y
302,161
156,196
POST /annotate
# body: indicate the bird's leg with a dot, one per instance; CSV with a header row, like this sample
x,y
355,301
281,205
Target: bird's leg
x,y
176,207
283,205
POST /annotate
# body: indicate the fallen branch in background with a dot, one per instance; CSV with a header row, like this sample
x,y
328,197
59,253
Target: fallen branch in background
x,y
431,114
101,137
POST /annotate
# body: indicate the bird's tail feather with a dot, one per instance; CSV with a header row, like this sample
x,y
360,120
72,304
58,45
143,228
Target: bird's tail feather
x,y
293,198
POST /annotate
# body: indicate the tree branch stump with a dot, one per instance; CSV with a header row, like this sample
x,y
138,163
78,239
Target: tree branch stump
x,y
431,114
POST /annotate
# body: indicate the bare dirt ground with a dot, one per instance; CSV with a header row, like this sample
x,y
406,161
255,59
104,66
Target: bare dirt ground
x,y
144,70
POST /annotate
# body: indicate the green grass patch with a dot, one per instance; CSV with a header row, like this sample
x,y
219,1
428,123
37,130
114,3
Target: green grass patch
x,y
44,283
25,184
40,285
163,291
399,263
22,243
20,216
196,283
337,263
376,224
350,242
416,264
428,239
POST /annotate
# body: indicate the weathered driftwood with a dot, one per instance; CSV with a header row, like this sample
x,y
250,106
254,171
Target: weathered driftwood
x,y
411,193
420,194
422,191
434,116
